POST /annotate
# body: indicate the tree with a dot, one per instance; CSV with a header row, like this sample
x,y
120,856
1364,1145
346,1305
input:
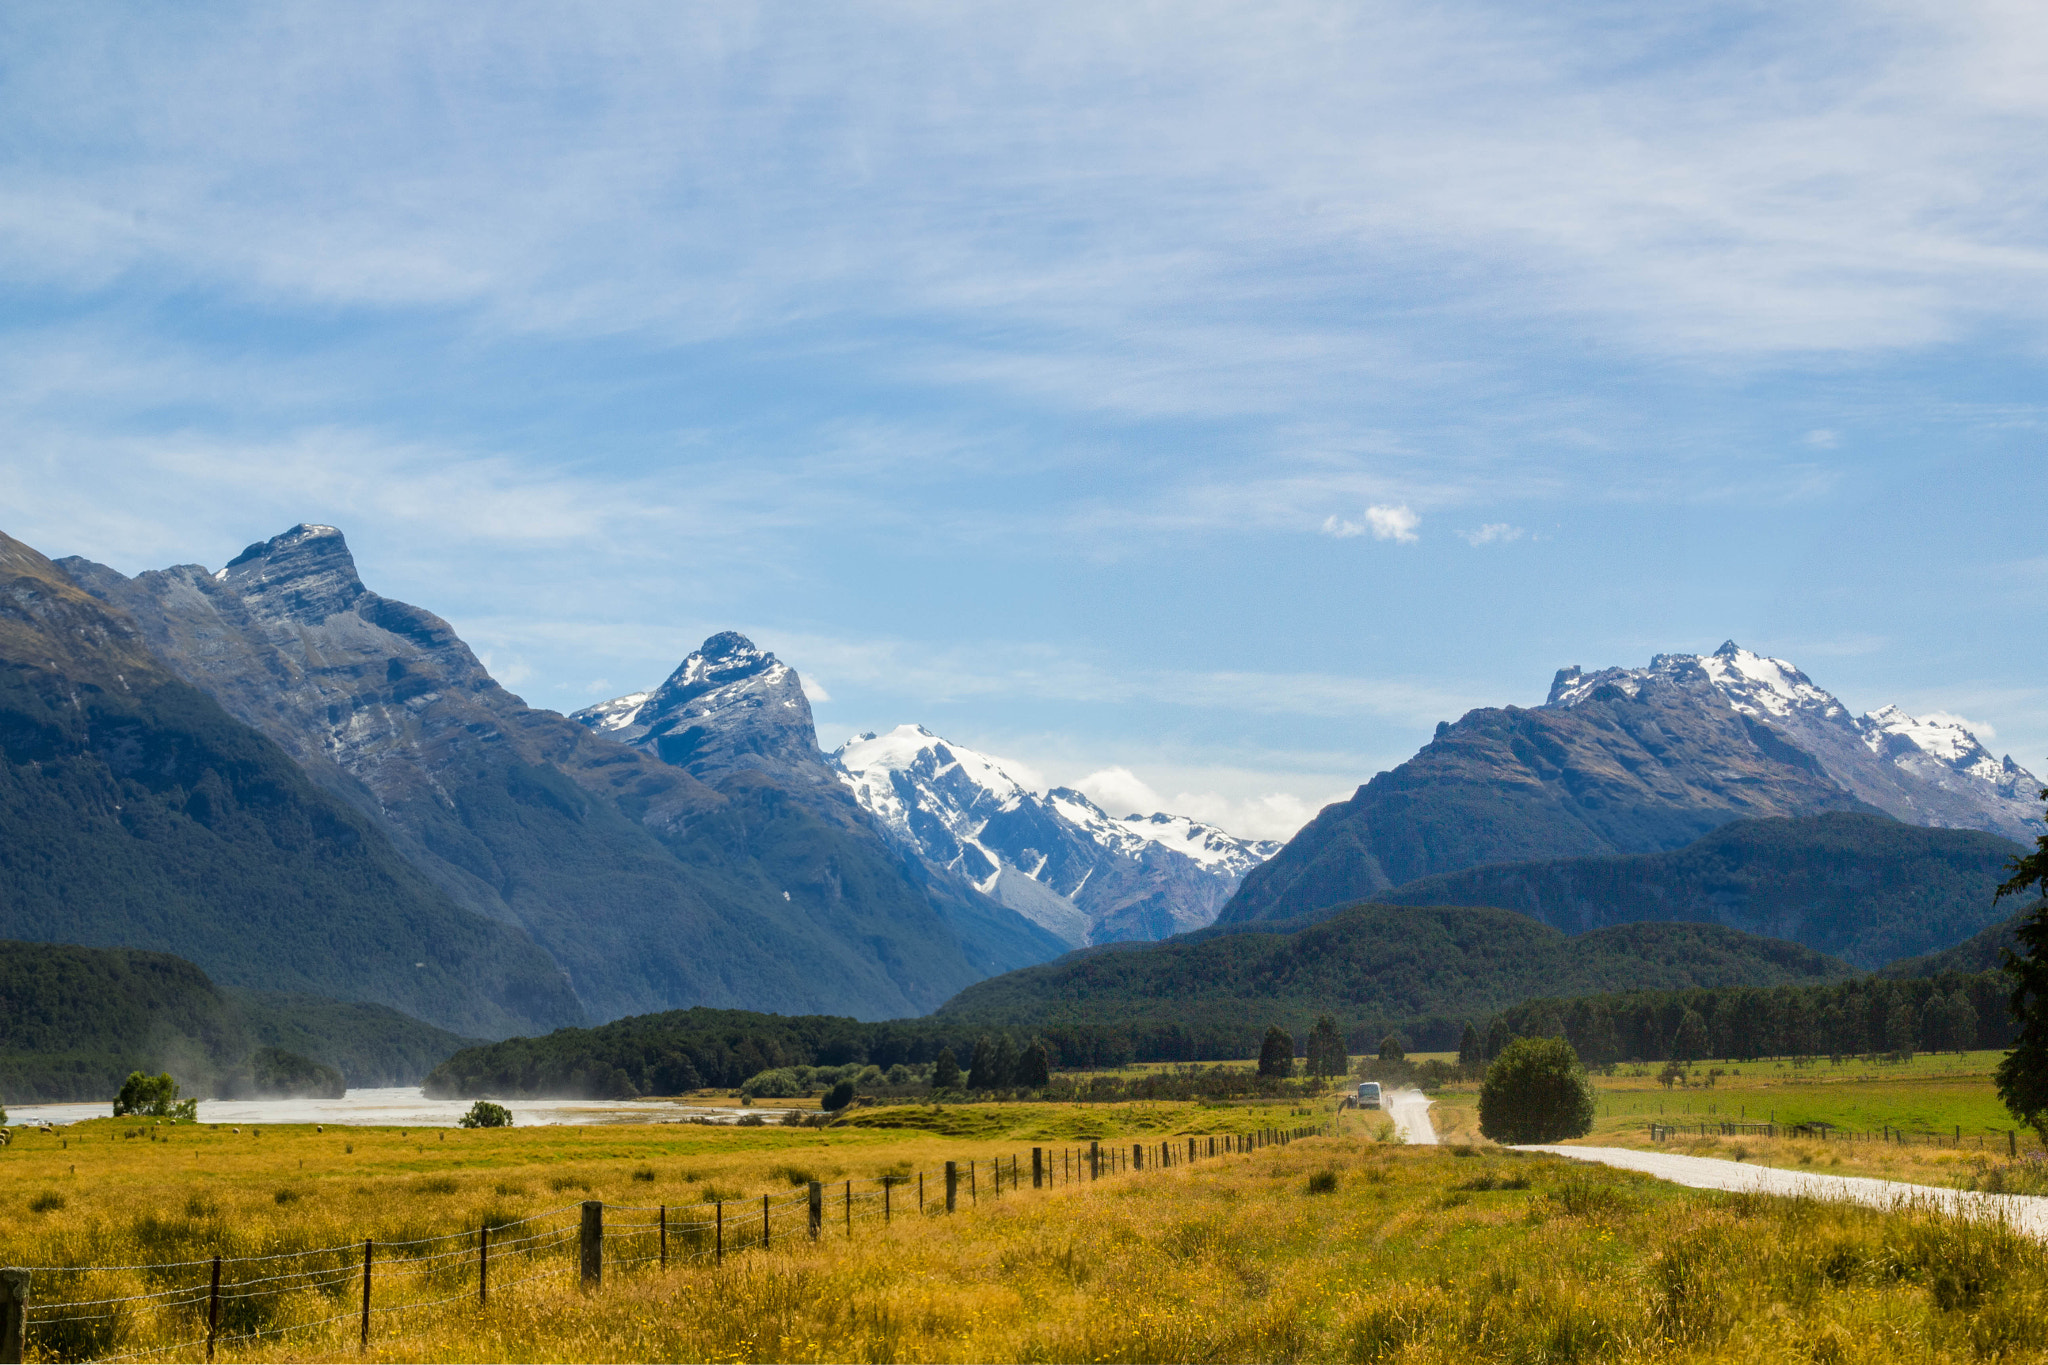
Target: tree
x,y
1276,1054
1034,1071
946,1071
1962,1021
982,1066
1690,1043
1901,1028
2023,1074
1471,1052
837,1098
1327,1055
1498,1036
1535,1091
1391,1049
1002,1067
484,1114
153,1097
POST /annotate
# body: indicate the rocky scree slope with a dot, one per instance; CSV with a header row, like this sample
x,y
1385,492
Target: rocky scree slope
x,y
1056,858
1619,762
139,814
648,888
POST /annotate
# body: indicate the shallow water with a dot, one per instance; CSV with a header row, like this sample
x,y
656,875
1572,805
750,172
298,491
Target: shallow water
x,y
396,1107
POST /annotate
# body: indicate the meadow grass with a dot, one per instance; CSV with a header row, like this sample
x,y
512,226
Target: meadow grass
x,y
1339,1248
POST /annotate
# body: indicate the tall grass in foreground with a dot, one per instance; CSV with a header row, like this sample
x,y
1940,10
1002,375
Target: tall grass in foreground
x,y
1412,1256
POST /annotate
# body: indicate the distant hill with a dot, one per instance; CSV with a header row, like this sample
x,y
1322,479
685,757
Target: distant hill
x,y
1630,761
1863,888
1983,951
75,1021
139,814
1371,965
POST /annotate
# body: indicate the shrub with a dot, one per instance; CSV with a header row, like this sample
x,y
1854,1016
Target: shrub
x,y
153,1097
484,1114
49,1201
644,1173
1535,1091
1323,1182
838,1097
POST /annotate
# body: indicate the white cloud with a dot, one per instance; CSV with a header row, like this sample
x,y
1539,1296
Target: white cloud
x,y
1121,792
1253,815
1980,729
1492,533
1822,439
1335,526
1393,523
814,690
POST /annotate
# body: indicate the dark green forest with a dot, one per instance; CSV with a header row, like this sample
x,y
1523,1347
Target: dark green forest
x,y
75,1021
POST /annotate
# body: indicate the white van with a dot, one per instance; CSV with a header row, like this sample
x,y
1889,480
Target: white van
x,y
1368,1094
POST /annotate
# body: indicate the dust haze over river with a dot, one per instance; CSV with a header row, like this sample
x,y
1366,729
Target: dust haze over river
x,y
402,1107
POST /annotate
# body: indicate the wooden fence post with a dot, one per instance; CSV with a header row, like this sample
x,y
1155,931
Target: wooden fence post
x,y
817,1207
764,1222
14,1285
721,1232
593,1244
483,1266
212,1310
920,1191
849,1210
952,1185
973,1183
1137,1157
664,1237
886,1187
1037,1174
368,1248
1094,1161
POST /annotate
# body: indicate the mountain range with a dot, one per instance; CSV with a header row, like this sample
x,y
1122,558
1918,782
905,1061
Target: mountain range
x,y
649,881
1630,761
1056,859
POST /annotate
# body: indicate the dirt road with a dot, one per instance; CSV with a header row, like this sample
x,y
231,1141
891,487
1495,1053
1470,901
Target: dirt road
x,y
1409,1109
2026,1213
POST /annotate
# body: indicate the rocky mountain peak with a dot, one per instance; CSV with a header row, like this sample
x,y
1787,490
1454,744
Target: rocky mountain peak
x,y
730,705
305,575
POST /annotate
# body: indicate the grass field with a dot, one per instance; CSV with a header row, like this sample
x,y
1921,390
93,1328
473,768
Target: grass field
x,y
1339,1248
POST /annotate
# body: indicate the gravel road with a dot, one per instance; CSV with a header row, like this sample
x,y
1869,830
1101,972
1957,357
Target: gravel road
x,y
1409,1110
2026,1213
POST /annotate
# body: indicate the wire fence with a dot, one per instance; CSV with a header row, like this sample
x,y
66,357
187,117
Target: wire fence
x,y
351,1293
1990,1140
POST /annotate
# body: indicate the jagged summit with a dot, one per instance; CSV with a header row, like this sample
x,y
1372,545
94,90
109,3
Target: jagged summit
x,y
306,574
1055,857
1927,772
729,705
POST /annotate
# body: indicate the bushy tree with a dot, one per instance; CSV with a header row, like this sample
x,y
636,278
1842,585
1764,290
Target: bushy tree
x,y
837,1098
153,1097
1327,1055
1391,1049
484,1114
1276,1054
1471,1052
1034,1070
1962,1021
2023,1074
1901,1029
946,1071
1535,1091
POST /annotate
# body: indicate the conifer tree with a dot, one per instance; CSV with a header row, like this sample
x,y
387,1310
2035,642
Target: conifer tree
x,y
2023,1075
981,1069
1002,1066
1034,1071
1276,1055
946,1071
1327,1055
1471,1052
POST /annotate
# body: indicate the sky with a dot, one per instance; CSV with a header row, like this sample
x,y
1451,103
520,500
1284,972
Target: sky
x,y
1193,402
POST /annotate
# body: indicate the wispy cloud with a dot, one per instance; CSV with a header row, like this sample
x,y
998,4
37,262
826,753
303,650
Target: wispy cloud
x,y
1492,533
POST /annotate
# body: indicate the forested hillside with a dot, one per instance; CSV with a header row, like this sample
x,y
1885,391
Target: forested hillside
x,y
1861,887
75,1021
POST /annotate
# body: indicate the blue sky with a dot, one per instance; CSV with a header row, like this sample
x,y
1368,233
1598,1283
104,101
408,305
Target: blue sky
x,y
1198,401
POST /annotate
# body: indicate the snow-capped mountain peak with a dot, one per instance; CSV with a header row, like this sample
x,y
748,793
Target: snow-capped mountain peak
x,y
1054,856
1930,772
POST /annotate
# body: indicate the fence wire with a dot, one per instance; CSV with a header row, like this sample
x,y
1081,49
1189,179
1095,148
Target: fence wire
x,y
471,1260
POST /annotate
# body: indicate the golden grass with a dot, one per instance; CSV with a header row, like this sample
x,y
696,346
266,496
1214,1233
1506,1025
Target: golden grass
x,y
1340,1248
